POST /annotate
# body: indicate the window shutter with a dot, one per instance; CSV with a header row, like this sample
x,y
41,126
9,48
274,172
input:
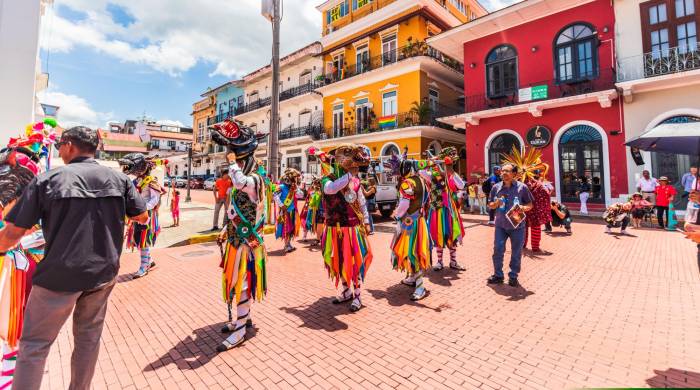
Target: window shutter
x,y
328,17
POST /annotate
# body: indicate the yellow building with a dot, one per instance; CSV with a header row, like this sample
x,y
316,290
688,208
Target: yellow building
x,y
203,163
382,86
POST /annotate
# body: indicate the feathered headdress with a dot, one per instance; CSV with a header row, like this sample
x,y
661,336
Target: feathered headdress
x,y
529,164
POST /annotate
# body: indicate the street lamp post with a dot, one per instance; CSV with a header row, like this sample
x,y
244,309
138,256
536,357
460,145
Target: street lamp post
x,y
188,198
271,9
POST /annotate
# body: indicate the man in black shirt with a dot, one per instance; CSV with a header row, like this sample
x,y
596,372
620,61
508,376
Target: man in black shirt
x,y
81,207
560,217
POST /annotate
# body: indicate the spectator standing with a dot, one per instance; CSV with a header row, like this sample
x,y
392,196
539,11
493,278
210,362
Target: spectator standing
x,y
481,195
584,191
473,189
688,179
647,186
175,207
504,195
221,188
488,185
82,208
664,197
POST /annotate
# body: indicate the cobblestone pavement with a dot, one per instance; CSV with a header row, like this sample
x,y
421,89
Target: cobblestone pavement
x,y
599,311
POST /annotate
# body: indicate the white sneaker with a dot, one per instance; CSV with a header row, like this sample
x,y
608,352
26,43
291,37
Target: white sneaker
x,y
625,233
492,223
607,230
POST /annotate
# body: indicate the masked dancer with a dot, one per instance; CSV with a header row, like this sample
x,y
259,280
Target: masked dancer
x,y
444,220
141,236
346,251
23,159
288,221
411,245
243,256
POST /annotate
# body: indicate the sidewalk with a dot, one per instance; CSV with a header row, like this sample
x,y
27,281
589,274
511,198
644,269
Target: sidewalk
x,y
598,311
195,218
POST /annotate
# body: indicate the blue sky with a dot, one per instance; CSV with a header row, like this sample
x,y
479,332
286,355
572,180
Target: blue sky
x,y
111,60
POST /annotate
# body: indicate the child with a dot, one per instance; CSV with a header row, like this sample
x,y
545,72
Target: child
x,y
175,208
638,205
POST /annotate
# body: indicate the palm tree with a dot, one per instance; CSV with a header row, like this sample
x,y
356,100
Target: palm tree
x,y
423,111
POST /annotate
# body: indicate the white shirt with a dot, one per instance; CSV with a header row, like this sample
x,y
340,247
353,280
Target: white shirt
x,y
647,185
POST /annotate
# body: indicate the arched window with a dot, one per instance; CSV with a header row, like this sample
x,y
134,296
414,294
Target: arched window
x,y
502,71
501,145
576,53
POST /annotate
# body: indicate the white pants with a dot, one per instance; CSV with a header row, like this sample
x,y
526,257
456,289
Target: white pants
x,y
584,199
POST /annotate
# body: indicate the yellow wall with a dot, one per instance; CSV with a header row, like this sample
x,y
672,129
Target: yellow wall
x,y
414,28
408,91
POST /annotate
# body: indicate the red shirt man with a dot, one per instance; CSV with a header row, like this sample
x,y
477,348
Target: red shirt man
x,y
664,192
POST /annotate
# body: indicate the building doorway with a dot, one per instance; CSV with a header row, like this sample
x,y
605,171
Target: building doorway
x,y
581,156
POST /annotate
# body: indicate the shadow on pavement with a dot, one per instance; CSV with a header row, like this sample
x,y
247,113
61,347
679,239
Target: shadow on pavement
x,y
400,295
558,234
197,349
513,293
444,277
321,315
674,378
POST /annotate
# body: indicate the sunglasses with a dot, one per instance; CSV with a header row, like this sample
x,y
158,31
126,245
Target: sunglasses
x,y
61,143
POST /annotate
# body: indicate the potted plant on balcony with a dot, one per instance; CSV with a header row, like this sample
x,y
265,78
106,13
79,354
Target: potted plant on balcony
x,y
421,112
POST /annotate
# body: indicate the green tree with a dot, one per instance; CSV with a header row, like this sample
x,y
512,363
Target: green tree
x,y
422,112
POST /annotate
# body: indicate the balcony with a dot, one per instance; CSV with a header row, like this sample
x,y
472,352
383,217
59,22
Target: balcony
x,y
309,130
392,122
418,49
284,95
659,63
542,91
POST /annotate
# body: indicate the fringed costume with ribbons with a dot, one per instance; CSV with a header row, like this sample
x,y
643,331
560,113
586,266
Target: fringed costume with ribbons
x,y
312,213
20,162
288,221
143,236
243,255
444,220
346,251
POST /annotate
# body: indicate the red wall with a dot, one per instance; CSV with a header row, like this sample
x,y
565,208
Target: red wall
x,y
536,67
539,66
554,119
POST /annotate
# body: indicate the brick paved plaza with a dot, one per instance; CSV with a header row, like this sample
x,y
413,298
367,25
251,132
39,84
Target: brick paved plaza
x,y
600,311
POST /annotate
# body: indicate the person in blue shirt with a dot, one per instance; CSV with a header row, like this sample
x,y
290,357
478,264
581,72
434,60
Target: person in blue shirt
x,y
687,181
488,185
504,195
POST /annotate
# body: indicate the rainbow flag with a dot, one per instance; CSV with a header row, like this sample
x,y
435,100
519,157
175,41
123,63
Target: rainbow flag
x,y
387,121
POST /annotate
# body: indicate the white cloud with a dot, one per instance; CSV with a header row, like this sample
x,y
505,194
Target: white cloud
x,y
74,110
172,36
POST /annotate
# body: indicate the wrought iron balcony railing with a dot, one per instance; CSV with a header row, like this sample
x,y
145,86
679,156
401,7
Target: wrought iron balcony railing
x,y
601,80
659,63
417,49
295,132
390,122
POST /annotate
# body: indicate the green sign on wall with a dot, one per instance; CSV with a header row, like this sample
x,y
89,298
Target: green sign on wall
x,y
539,92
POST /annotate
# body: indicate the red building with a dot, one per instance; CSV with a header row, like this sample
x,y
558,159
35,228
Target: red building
x,y
541,74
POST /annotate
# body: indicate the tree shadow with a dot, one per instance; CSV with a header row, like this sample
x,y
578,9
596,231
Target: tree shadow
x,y
197,349
674,378
400,295
444,277
320,315
513,293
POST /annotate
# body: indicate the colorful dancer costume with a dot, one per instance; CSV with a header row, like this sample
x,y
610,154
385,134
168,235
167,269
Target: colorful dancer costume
x,y
444,220
312,212
19,164
411,246
244,256
346,252
138,235
530,169
288,220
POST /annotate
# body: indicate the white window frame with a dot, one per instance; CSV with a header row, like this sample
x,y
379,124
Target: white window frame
x,y
338,109
392,101
388,41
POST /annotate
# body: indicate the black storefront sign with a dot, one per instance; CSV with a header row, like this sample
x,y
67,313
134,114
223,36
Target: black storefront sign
x,y
539,136
637,156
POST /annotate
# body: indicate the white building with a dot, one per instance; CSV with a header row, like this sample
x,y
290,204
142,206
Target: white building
x,y
301,107
658,73
20,72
